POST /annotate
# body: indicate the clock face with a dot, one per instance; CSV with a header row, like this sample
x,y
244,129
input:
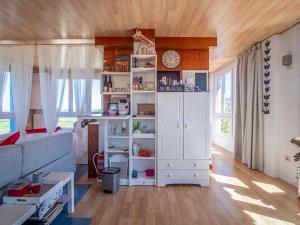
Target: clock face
x,y
170,59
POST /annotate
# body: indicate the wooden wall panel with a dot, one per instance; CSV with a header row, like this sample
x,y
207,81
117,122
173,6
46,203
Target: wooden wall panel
x,y
93,147
110,54
197,59
185,42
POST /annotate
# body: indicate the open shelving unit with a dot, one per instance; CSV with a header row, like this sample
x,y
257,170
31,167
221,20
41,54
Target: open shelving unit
x,y
144,140
117,145
115,142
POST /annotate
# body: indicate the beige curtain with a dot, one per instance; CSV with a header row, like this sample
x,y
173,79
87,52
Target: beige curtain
x,y
248,137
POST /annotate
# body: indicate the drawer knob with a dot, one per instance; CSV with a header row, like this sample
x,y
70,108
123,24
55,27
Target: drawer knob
x,y
169,175
196,175
169,164
196,164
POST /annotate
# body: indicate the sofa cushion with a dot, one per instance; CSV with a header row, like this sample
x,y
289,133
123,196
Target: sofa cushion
x,y
38,153
10,164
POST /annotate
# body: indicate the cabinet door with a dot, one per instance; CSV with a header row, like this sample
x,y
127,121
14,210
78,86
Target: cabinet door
x,y
170,125
196,125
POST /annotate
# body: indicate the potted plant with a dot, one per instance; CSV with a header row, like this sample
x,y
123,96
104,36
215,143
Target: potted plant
x,y
296,141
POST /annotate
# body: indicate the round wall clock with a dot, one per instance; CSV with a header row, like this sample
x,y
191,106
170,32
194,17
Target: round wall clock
x,y
170,59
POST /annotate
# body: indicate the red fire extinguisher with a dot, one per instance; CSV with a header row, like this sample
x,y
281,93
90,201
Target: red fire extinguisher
x,y
98,160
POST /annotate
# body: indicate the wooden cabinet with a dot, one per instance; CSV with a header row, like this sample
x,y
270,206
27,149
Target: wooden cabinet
x,y
183,138
93,147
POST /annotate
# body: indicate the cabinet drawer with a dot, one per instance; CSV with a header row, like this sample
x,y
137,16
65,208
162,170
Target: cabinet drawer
x,y
183,175
183,164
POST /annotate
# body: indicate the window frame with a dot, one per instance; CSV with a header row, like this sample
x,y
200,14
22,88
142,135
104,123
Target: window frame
x,y
9,115
224,115
71,112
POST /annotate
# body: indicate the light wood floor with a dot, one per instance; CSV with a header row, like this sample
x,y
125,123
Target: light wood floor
x,y
236,195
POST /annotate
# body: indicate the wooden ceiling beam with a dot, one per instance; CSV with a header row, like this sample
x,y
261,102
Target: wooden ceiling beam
x,y
120,42
185,42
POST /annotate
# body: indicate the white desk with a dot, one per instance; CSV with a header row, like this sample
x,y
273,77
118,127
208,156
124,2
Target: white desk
x,y
15,214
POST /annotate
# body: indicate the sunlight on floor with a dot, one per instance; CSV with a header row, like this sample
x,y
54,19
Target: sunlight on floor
x,y
216,152
262,219
270,188
228,180
243,198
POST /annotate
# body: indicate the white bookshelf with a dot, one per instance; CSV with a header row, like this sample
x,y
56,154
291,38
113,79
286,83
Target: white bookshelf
x,y
115,73
116,93
114,143
144,140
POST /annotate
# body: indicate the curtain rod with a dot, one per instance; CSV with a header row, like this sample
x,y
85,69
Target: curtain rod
x,y
49,42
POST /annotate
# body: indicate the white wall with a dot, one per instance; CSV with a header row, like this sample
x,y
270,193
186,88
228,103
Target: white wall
x,y
283,122
218,139
36,102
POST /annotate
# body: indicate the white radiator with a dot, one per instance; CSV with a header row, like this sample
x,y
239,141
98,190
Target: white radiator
x,y
38,121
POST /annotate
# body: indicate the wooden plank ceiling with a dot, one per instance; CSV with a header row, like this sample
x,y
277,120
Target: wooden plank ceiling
x,y
236,23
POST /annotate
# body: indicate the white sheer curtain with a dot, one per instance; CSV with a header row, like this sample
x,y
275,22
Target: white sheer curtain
x,y
21,75
53,74
83,61
4,68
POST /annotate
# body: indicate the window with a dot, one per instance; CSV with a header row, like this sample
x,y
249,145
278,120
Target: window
x,y
96,97
7,117
223,103
68,109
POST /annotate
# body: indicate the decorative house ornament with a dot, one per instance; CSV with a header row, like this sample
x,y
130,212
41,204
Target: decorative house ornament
x,y
267,78
143,45
170,59
138,36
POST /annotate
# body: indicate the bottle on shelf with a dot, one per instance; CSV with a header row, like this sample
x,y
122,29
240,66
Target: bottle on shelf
x,y
105,85
109,84
140,85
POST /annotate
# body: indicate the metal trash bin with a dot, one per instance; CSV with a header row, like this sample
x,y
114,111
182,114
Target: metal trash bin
x,y
111,179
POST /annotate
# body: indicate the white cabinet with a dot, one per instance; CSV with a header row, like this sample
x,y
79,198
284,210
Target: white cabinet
x,y
170,114
183,138
196,125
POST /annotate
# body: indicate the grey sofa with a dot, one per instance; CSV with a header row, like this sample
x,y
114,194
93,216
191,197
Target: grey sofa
x,y
50,153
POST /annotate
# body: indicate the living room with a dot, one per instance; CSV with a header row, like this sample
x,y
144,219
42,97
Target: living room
x,y
149,112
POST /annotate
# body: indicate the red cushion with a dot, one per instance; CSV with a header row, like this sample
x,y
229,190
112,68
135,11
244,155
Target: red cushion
x,y
12,139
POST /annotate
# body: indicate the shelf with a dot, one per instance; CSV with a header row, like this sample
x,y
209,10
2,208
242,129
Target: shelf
x,y
142,69
150,136
115,93
118,137
143,92
115,73
144,118
117,151
105,117
124,181
143,56
143,158
143,181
